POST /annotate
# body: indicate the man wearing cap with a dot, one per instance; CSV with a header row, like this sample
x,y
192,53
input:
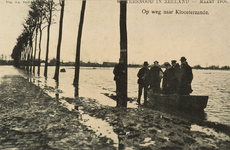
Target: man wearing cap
x,y
155,77
119,74
166,79
143,81
186,78
174,77
173,63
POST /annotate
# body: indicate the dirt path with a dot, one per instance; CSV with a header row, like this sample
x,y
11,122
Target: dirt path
x,y
30,119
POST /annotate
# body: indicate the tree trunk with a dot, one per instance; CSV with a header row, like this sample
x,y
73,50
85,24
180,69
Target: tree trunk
x,y
28,59
48,40
47,51
122,98
56,75
39,54
35,48
77,61
31,55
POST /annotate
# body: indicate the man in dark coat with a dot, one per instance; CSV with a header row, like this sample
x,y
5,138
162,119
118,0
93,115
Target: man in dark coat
x,y
119,75
155,78
174,77
143,81
186,78
166,79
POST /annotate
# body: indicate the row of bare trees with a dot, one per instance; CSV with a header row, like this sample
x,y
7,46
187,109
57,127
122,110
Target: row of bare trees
x,y
39,18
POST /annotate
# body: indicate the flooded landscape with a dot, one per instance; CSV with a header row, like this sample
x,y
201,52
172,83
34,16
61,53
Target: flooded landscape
x,y
139,127
96,81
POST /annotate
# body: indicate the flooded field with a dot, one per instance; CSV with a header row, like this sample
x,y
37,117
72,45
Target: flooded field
x,y
96,81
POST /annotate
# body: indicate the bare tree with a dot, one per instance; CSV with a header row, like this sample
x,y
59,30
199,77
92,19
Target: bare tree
x,y
56,75
122,98
42,14
29,26
34,13
19,50
50,7
32,22
77,60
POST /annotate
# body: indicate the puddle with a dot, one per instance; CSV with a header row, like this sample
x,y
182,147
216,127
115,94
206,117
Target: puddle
x,y
210,131
100,127
67,105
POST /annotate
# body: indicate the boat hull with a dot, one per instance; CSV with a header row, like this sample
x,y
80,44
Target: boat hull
x,y
186,102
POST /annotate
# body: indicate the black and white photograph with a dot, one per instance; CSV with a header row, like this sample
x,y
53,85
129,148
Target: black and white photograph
x,y
114,75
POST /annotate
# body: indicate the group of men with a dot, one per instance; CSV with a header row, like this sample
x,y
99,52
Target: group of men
x,y
176,78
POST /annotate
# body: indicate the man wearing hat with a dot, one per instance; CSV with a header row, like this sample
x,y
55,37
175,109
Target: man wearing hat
x,y
155,77
173,63
174,77
119,74
167,78
143,81
186,78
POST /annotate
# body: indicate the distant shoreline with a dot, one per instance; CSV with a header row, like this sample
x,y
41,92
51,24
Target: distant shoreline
x,y
109,64
129,66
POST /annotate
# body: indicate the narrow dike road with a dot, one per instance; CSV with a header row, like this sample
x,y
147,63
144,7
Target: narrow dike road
x,y
31,119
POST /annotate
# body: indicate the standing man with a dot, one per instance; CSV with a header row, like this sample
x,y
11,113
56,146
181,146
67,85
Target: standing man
x,y
143,81
186,78
174,77
155,77
173,63
119,73
167,78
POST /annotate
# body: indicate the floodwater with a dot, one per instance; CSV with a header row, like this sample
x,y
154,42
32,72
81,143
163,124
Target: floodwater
x,y
96,81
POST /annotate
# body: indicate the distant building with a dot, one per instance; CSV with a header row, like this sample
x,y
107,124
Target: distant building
x,y
109,64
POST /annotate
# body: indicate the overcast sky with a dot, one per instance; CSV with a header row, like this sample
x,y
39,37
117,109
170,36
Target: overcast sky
x,y
202,39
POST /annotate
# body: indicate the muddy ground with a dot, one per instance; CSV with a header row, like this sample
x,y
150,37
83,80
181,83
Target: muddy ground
x,y
31,119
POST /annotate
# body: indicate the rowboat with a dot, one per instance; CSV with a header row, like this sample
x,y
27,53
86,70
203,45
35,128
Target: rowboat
x,y
185,102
